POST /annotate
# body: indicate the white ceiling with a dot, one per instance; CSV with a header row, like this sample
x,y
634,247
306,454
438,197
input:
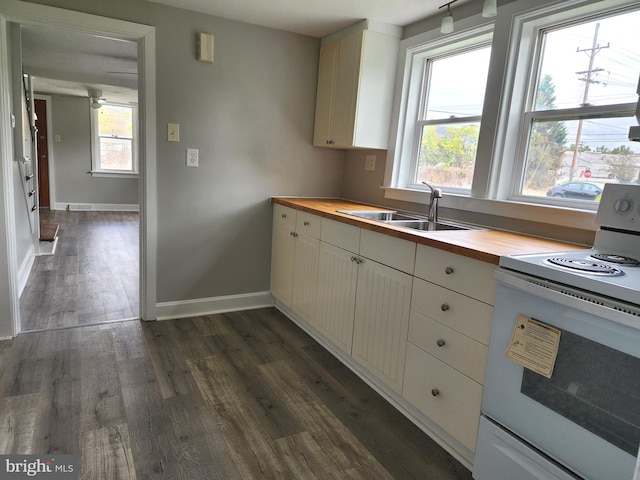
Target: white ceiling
x,y
70,63
314,18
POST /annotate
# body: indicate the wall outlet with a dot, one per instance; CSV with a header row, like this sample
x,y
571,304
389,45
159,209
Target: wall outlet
x,y
192,157
370,162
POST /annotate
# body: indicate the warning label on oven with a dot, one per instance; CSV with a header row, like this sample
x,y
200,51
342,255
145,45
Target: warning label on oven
x,y
534,345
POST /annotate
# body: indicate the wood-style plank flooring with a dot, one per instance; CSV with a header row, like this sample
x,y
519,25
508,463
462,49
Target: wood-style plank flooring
x,y
231,396
91,278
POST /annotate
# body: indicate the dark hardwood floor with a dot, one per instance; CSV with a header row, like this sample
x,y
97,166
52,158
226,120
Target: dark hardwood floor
x,y
229,396
91,278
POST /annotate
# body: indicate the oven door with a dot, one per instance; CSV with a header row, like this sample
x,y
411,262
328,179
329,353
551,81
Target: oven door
x,y
587,415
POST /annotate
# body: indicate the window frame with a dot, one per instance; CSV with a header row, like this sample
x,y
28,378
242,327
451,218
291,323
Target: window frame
x,y
528,116
404,157
96,168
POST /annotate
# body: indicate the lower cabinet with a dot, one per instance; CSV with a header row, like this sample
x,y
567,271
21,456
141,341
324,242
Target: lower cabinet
x,y
305,277
416,318
383,302
337,277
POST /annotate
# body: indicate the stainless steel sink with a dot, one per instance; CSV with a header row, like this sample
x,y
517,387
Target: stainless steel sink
x,y
427,226
407,220
381,215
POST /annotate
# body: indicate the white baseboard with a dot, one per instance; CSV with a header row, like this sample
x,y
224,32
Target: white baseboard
x,y
209,306
98,207
25,269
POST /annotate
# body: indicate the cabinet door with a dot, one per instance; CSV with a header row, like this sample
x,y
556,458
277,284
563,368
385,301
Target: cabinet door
x,y
282,251
327,72
337,279
305,277
381,321
346,94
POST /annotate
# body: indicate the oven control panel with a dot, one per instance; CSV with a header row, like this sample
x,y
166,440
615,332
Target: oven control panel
x,y
620,207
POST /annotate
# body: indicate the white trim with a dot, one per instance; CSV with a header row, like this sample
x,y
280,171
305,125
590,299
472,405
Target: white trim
x,y
9,306
209,306
25,270
97,207
576,217
26,13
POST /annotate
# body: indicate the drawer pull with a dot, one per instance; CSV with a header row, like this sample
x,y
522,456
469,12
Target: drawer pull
x,y
448,270
293,234
284,215
435,392
306,224
440,342
356,260
444,307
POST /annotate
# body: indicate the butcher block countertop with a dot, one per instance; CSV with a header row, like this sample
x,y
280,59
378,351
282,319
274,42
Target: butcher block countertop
x,y
486,245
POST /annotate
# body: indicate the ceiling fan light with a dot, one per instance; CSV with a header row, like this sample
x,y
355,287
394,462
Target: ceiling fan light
x,y
490,8
447,24
95,103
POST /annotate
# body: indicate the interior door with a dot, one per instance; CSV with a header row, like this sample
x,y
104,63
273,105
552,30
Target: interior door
x,y
43,154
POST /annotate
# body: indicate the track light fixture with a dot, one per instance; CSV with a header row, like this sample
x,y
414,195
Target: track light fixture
x,y
490,8
447,21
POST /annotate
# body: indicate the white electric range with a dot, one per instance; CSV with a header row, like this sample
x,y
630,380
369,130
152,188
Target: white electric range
x,y
581,418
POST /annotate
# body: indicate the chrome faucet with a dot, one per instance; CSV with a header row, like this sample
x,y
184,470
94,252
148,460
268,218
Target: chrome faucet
x,y
436,193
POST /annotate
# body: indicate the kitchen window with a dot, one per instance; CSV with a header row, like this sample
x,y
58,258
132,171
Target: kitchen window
x,y
114,140
581,100
439,134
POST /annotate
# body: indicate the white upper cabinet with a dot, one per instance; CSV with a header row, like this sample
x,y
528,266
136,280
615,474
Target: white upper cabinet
x,y
355,90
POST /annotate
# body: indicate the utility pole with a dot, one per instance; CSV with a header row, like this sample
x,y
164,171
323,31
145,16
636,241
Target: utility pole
x,y
595,48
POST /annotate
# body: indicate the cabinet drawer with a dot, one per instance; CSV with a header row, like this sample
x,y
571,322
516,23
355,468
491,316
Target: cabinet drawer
x,y
284,217
308,224
458,312
443,394
341,235
463,274
461,352
391,251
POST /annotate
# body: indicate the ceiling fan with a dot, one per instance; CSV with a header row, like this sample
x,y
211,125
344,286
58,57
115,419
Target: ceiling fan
x,y
95,98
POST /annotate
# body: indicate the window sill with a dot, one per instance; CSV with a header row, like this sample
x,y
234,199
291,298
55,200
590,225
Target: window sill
x,y
114,174
552,215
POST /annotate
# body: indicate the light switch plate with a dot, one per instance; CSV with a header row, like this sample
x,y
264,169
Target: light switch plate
x,y
173,132
370,162
192,157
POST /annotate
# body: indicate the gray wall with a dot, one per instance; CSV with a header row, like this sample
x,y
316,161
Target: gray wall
x,y
71,159
251,116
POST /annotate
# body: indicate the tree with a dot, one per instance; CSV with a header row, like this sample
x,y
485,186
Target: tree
x,y
621,164
547,141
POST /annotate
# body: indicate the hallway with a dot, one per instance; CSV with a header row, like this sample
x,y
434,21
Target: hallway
x,y
92,277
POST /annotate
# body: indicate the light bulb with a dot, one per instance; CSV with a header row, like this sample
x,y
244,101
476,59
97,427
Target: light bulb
x,y
447,24
490,8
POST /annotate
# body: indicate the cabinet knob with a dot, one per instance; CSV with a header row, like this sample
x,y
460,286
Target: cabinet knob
x,y
329,142
284,215
440,342
356,260
448,270
306,224
293,234
435,392
444,307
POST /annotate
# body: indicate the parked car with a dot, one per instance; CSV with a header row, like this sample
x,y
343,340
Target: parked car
x,y
579,190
